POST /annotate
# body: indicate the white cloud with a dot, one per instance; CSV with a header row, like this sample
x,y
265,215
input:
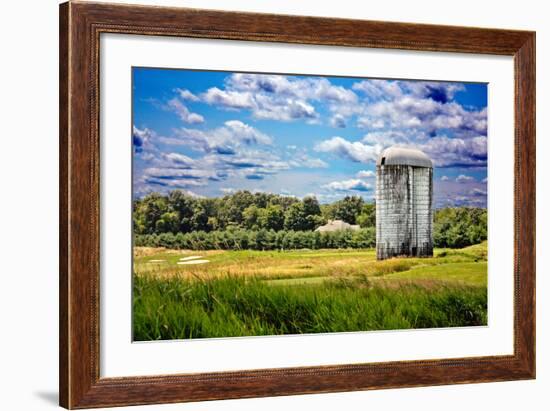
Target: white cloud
x,y
183,112
143,137
310,88
418,105
392,137
228,99
464,178
478,192
144,143
391,89
356,151
409,114
278,97
306,161
365,174
484,180
348,185
228,190
338,121
186,94
246,133
147,156
448,152
178,173
180,160
379,89
223,140
172,183
372,123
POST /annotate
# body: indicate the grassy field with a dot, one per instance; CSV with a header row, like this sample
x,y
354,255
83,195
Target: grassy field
x,y
241,293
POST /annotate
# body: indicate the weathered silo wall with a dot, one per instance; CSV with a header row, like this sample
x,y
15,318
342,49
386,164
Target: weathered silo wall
x,y
404,192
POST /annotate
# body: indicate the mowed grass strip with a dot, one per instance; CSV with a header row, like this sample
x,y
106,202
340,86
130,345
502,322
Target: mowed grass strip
x,y
474,274
179,308
291,264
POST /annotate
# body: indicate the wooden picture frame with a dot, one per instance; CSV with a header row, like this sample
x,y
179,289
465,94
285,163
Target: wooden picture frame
x,y
80,27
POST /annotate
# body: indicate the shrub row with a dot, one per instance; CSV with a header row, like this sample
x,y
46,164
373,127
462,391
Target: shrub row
x,y
260,239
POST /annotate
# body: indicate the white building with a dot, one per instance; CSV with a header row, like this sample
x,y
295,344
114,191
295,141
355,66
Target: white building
x,y
336,225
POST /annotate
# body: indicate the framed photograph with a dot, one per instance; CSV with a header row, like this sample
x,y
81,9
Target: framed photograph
x,y
258,205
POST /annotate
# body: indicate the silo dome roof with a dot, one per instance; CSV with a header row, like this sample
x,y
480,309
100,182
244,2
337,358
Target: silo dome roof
x,y
404,156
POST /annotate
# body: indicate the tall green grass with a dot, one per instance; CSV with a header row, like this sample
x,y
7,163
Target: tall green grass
x,y
178,308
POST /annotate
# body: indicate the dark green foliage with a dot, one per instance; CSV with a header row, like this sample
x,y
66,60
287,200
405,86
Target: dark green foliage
x,y
180,221
234,306
272,218
367,218
261,239
348,209
181,213
459,227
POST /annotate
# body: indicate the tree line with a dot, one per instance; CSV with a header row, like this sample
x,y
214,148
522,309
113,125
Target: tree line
x,y
266,221
262,239
180,213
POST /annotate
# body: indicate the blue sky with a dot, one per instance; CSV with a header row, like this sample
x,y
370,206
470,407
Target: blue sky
x,y
212,133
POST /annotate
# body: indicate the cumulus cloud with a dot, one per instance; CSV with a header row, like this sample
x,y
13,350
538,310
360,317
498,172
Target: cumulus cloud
x,y
180,160
365,174
228,99
379,89
464,178
278,97
262,106
312,88
338,121
423,113
416,114
304,160
456,152
441,92
183,112
478,192
142,138
394,137
443,150
348,185
186,94
354,151
416,104
222,140
182,174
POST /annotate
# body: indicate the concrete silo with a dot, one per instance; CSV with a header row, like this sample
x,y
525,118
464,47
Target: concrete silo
x,y
404,192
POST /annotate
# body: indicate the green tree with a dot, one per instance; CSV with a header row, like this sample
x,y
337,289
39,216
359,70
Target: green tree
x,y
272,218
251,216
295,218
148,211
199,219
367,217
348,209
312,212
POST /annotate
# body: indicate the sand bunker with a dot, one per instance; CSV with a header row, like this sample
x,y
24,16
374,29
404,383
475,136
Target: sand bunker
x,y
193,262
157,261
192,257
